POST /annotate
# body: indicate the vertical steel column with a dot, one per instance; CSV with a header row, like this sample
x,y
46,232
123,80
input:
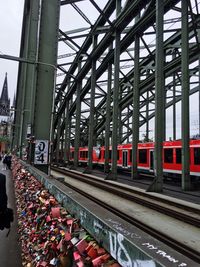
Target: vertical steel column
x,y
128,124
108,115
136,107
20,93
174,113
92,103
46,68
120,125
186,183
174,103
58,140
78,120
62,139
165,112
26,73
115,130
30,79
157,184
147,116
120,113
67,134
199,98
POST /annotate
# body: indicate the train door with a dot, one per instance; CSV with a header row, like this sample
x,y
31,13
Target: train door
x,y
125,158
151,160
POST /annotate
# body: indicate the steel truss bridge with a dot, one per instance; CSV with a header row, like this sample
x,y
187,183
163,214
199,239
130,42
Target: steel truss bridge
x,y
116,71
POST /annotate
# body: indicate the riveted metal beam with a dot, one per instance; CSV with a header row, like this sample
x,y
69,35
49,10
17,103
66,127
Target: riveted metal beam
x,y
186,182
47,53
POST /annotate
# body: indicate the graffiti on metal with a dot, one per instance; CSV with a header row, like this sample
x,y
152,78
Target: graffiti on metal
x,y
164,254
119,228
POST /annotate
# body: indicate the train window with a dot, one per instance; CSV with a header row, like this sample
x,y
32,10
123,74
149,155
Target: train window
x,y
196,156
130,155
86,154
168,155
178,155
117,154
72,154
99,155
142,156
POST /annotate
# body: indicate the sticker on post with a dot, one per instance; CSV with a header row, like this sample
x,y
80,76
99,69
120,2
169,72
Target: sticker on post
x,y
41,152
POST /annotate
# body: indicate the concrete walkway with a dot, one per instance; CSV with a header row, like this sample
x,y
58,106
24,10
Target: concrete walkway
x,y
10,252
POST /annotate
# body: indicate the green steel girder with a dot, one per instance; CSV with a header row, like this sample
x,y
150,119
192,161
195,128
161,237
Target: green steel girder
x,y
170,68
98,51
109,58
147,20
47,55
26,75
16,128
69,39
108,10
147,83
152,115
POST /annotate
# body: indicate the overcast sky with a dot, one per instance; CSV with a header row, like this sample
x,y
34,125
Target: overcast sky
x,y
11,14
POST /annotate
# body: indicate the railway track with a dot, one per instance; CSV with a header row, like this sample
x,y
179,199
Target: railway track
x,y
176,210
169,188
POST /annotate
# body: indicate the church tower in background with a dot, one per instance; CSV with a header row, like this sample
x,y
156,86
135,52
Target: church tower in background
x,y
5,121
4,100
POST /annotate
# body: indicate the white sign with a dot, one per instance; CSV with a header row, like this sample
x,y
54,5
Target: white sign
x,y
41,152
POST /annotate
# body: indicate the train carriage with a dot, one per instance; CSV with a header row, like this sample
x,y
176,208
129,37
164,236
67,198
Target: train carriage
x,y
172,157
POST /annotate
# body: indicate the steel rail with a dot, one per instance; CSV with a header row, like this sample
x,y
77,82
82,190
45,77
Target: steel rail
x,y
177,210
140,199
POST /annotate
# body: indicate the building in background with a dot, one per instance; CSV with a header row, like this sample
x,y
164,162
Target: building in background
x,y
5,118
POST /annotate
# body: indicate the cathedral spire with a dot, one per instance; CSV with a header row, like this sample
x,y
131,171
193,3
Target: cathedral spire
x,y
4,93
4,100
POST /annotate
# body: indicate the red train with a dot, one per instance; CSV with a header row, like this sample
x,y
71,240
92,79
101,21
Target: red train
x,y
171,157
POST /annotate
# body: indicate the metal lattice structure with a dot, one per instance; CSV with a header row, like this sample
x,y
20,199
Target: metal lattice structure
x,y
111,57
127,71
